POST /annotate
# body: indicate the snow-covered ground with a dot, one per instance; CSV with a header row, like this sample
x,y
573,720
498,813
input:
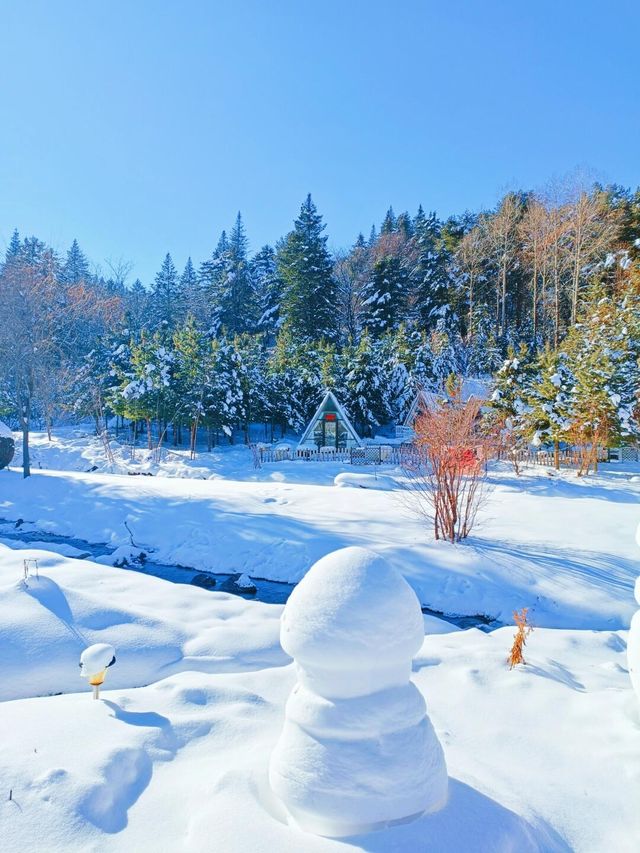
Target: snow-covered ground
x,y
542,758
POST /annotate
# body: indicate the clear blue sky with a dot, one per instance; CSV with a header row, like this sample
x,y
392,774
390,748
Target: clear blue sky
x,y
142,127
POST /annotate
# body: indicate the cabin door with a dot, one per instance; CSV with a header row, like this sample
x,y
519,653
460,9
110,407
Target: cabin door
x,y
330,434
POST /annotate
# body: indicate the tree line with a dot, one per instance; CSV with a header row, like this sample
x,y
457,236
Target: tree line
x,y
243,338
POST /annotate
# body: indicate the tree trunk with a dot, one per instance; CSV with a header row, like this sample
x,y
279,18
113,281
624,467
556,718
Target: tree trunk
x,y
556,455
149,441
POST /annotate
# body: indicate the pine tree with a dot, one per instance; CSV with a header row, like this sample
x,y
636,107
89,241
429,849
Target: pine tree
x,y
237,297
547,414
602,350
295,371
167,301
483,353
446,346
212,275
253,380
190,347
365,384
76,267
145,382
512,385
404,226
13,249
389,223
191,293
304,264
393,355
137,308
268,290
428,278
224,387
383,296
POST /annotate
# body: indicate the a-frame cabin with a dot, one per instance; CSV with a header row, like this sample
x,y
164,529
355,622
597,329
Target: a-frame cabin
x,y
329,428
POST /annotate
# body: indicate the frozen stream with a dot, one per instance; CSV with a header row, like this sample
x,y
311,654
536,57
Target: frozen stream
x,y
268,591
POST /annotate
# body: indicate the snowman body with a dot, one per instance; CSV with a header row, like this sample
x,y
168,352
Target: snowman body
x,y
357,751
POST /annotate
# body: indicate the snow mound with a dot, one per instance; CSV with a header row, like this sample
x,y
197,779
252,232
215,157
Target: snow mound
x,y
347,480
158,627
357,752
5,432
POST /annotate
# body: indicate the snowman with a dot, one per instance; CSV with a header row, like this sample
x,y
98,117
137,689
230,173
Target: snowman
x,y
357,752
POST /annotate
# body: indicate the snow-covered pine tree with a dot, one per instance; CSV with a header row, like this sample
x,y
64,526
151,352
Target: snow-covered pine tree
x,y
602,351
482,350
392,354
136,305
383,295
167,302
446,346
145,383
93,383
389,223
236,294
421,372
224,388
296,380
190,349
428,279
547,414
268,292
512,384
365,384
253,380
309,290
192,295
211,275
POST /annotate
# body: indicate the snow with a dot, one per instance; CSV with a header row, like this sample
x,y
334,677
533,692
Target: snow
x,y
364,481
95,658
542,758
357,751
571,562
5,432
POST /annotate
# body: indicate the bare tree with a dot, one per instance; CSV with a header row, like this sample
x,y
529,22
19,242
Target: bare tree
x,y
592,230
446,483
534,229
29,297
470,262
501,230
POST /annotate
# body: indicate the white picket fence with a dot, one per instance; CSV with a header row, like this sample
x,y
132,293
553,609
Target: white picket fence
x,y
370,454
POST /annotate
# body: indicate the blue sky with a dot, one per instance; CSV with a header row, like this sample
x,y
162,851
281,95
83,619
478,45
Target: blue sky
x,y
143,127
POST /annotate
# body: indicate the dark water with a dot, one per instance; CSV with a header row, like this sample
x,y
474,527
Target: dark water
x,y
268,591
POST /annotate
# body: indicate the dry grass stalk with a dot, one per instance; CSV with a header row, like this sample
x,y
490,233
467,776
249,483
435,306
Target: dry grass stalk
x,y
520,637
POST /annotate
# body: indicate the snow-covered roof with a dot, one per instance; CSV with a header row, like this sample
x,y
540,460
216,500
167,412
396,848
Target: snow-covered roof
x,y
422,401
330,398
471,388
